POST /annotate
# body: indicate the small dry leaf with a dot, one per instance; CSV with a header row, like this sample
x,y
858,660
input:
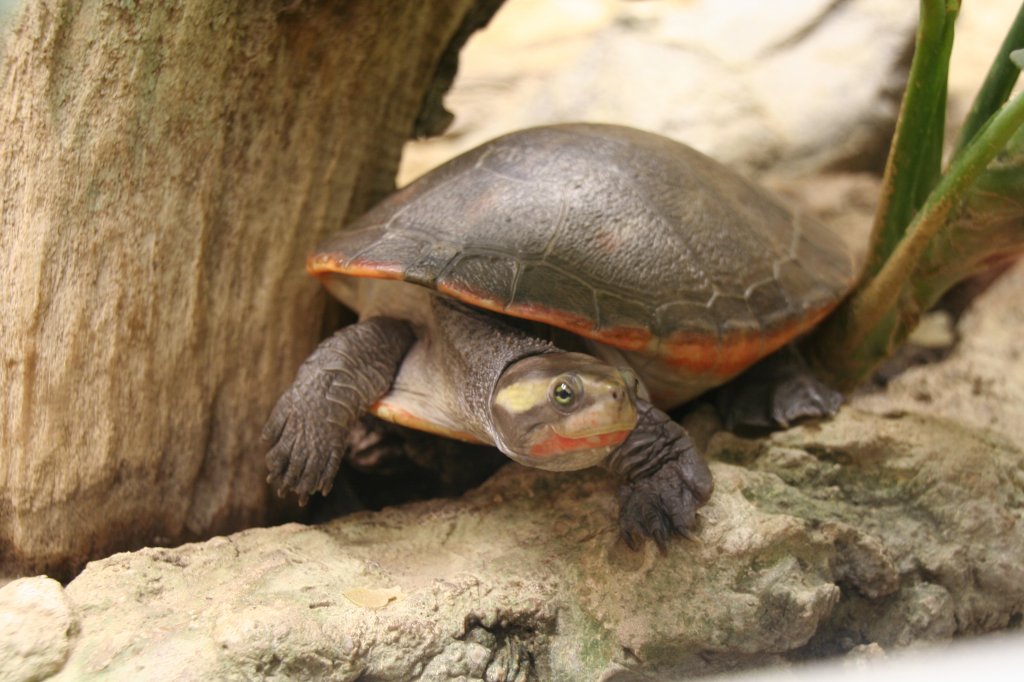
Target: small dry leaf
x,y
372,597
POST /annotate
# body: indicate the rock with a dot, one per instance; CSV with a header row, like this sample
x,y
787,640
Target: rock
x,y
37,628
879,528
784,87
896,522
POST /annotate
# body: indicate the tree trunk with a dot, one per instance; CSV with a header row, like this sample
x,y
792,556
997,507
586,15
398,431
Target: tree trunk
x,y
165,172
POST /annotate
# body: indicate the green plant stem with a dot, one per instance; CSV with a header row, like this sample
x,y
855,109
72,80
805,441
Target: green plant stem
x,y
964,171
998,84
878,314
914,161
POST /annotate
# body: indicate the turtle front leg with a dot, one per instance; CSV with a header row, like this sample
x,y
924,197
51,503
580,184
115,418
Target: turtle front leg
x,y
774,393
666,479
344,376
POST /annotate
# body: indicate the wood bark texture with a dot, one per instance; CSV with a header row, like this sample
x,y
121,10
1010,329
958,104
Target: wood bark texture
x,y
166,168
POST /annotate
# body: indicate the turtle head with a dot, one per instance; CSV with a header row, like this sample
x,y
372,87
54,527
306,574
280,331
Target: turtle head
x,y
562,411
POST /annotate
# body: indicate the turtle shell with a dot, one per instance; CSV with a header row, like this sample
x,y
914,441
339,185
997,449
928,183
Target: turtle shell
x,y
618,235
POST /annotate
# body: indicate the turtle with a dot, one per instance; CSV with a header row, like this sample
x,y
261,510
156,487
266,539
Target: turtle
x,y
554,293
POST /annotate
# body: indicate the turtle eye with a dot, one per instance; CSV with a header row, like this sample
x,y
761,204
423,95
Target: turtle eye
x,y
566,391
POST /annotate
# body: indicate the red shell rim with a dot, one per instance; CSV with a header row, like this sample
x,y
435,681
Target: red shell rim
x,y
690,352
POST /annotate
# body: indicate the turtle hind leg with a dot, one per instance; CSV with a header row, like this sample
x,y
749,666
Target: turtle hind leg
x,y
666,479
774,393
345,375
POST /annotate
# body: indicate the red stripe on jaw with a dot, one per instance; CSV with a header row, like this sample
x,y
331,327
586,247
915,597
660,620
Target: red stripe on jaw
x,y
558,444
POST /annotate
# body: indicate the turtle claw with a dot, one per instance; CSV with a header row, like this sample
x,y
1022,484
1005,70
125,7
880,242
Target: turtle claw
x,y
309,427
803,397
776,393
305,447
666,480
658,507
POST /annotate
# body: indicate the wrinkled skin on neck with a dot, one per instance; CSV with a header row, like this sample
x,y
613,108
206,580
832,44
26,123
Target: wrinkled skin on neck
x,y
531,417
503,382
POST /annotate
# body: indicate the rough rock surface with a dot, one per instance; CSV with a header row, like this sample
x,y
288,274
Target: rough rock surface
x,y
898,521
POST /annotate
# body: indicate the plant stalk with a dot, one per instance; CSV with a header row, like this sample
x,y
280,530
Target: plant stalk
x,y
879,314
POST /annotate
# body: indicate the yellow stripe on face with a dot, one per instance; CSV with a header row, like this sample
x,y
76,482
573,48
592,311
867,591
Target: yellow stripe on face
x,y
523,395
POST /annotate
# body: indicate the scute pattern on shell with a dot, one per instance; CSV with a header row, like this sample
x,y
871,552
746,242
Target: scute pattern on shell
x,y
616,234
